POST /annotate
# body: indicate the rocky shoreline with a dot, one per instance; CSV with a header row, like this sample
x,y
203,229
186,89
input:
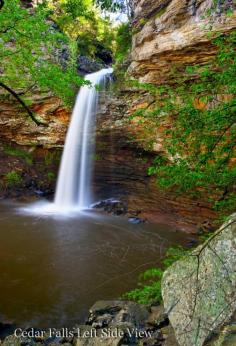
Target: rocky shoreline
x,y
110,323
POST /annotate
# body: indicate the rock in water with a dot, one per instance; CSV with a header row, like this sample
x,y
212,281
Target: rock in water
x,y
199,291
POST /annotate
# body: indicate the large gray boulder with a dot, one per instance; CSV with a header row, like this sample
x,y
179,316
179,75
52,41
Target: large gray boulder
x,y
199,291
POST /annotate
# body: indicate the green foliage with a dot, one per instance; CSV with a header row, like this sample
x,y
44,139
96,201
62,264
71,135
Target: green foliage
x,y
220,5
97,157
52,157
76,8
13,179
51,176
19,153
123,42
84,25
201,107
161,12
174,254
149,290
97,39
29,47
205,236
147,293
121,6
111,5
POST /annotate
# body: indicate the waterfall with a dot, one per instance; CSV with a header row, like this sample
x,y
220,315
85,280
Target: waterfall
x,y
74,181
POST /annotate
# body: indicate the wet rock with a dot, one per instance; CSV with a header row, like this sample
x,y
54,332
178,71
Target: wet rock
x,y
12,340
39,192
136,220
204,227
136,324
168,336
192,243
6,329
155,340
90,336
133,213
112,206
158,317
199,291
98,341
87,65
118,313
111,323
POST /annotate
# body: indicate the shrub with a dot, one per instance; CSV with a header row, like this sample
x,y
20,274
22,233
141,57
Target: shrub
x,y
49,158
13,179
149,290
51,176
123,42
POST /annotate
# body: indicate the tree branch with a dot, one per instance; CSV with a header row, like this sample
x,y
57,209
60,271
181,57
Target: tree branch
x,y
30,113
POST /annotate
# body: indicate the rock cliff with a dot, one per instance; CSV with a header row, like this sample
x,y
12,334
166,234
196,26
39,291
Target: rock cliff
x,y
173,34
124,151
17,127
168,36
199,291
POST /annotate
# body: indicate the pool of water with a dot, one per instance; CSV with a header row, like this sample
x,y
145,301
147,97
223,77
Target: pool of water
x,y
53,268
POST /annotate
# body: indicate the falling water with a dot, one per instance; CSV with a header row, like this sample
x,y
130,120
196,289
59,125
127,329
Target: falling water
x,y
74,181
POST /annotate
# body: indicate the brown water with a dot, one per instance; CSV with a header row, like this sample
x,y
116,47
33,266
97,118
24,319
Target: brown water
x,y
53,269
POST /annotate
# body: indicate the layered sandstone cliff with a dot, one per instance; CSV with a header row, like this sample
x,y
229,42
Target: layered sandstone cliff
x,y
173,34
17,127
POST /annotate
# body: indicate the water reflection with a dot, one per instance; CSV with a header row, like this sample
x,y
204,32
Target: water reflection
x,y
52,270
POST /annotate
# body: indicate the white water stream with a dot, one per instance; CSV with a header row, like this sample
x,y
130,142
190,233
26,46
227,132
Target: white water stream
x,y
74,181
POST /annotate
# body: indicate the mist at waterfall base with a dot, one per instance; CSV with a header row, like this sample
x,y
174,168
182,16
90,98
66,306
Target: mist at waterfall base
x,y
73,190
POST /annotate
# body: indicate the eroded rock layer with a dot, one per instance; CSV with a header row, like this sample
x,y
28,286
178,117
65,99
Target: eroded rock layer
x,y
17,127
172,34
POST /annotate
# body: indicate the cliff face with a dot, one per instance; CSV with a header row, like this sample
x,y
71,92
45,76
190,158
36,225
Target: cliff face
x,y
123,155
173,34
168,35
17,127
30,154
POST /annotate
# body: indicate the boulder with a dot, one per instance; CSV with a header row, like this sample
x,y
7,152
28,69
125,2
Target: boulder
x,y
118,313
199,291
112,205
226,336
